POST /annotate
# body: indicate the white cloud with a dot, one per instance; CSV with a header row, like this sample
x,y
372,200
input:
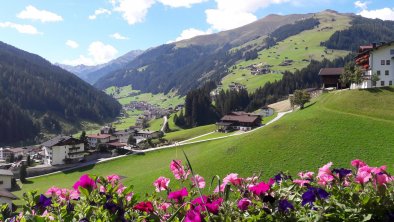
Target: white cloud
x,y
118,36
72,44
190,33
98,53
25,29
180,3
384,13
133,11
30,12
98,12
231,14
361,5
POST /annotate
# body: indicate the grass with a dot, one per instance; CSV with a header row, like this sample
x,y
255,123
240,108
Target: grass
x,y
292,48
269,118
338,127
128,120
164,101
156,124
212,136
189,133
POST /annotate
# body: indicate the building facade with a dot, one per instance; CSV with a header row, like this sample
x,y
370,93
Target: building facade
x,y
62,149
376,59
5,179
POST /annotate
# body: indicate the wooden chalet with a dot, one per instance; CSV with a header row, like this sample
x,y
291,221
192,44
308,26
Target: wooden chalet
x,y
331,77
238,121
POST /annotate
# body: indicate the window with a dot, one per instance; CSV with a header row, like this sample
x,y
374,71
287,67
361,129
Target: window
x,y
382,62
392,52
373,83
390,83
387,72
378,72
1,182
381,83
388,62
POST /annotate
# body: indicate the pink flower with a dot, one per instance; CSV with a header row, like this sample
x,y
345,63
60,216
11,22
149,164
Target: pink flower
x,y
204,203
164,206
221,189
198,181
129,196
301,182
178,170
193,216
178,195
144,206
233,179
243,204
382,179
102,189
120,189
325,169
358,163
161,184
53,191
306,175
364,174
113,178
377,170
325,175
67,195
86,182
260,188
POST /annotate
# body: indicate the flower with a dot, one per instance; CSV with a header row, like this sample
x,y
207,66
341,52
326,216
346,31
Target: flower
x,y
113,178
53,191
129,196
243,204
177,196
221,188
198,181
86,182
358,163
193,216
306,175
312,193
44,201
325,175
164,206
301,182
260,188
144,206
161,184
364,174
204,203
233,179
285,205
178,170
342,172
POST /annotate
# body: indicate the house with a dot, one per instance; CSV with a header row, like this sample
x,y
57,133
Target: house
x,y
5,179
61,149
376,59
238,121
265,111
331,77
147,134
7,197
123,135
107,130
95,139
5,153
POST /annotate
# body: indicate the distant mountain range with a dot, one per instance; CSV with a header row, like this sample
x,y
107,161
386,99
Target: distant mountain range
x,y
92,73
38,98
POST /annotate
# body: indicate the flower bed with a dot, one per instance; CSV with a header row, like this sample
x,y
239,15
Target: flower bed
x,y
362,193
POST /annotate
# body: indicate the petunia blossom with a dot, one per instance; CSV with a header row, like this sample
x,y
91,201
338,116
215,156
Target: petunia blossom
x,y
178,195
260,188
86,182
144,206
301,182
233,179
243,204
161,184
198,181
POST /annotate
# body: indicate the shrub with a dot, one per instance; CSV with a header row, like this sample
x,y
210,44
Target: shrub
x,y
363,193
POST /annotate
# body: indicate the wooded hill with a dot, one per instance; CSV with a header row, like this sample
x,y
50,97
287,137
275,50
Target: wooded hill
x,y
36,96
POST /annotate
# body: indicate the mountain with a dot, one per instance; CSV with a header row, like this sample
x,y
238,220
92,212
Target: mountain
x,y
38,97
282,43
92,73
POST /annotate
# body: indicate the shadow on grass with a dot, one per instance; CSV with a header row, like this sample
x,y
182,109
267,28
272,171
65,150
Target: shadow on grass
x,y
380,89
309,105
27,182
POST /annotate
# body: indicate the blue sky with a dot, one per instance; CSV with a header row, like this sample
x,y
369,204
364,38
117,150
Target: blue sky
x,y
94,32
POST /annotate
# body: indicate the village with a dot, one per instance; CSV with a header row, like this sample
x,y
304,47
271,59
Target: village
x,y
62,152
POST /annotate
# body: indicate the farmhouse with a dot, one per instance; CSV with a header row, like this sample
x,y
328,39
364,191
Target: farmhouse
x,y
330,77
95,139
5,153
5,179
147,134
61,149
376,59
238,121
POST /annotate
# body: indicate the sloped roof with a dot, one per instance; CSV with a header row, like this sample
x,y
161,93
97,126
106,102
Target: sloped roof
x,y
6,172
58,140
331,71
241,118
5,193
99,136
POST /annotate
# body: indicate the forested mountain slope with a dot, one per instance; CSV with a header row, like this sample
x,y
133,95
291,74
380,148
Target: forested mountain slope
x,y
37,96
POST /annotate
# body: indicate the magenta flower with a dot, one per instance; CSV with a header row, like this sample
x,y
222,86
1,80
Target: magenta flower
x,y
244,203
260,188
198,181
193,216
161,184
86,182
178,195
144,206
205,203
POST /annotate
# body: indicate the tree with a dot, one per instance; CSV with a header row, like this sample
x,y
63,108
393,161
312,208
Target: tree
x,y
28,161
346,76
11,158
23,174
301,97
357,77
374,78
82,137
131,140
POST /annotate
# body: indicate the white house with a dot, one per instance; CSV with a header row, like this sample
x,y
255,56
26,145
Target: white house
x,y
96,139
376,59
5,179
7,197
61,149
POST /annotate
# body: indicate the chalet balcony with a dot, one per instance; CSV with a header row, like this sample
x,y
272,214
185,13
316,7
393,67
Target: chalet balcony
x,y
75,150
77,155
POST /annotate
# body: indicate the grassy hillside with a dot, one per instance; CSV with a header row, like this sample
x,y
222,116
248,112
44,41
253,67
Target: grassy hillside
x,y
300,48
337,127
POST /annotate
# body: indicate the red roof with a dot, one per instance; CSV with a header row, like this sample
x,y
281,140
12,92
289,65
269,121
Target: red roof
x,y
99,136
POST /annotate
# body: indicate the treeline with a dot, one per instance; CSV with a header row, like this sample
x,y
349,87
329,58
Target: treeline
x,y
231,100
363,31
43,96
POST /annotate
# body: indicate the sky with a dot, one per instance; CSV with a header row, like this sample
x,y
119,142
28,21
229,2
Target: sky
x,y
92,32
